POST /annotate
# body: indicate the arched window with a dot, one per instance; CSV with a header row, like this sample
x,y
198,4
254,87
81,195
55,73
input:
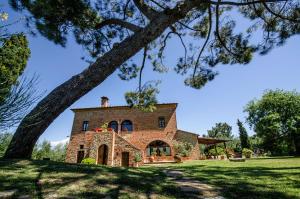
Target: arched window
x,y
158,148
127,126
113,125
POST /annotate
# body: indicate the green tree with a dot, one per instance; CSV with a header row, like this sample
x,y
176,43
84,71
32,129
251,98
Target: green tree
x,y
42,150
113,32
276,120
256,144
243,135
58,153
17,93
221,130
14,53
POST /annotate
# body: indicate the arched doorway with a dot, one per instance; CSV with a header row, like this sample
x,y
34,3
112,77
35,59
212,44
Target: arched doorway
x,y
159,148
103,154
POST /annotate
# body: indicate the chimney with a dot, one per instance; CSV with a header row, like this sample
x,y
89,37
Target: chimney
x,y
104,101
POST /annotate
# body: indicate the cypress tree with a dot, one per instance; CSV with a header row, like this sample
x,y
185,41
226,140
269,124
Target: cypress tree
x,y
243,135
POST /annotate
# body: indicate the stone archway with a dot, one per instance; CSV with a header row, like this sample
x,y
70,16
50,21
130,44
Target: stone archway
x,y
158,147
102,154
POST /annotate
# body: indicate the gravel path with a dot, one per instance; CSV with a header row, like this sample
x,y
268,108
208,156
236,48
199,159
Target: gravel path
x,y
192,188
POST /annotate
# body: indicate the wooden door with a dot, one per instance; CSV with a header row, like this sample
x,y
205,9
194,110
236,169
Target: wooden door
x,y
125,159
80,156
103,154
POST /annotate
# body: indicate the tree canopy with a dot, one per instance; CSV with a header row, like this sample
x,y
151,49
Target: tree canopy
x,y
221,130
276,119
112,32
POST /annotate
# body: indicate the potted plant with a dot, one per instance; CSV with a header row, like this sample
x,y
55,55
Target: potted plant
x,y
137,158
178,158
247,153
152,156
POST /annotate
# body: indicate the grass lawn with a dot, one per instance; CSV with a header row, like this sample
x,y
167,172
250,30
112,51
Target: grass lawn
x,y
257,178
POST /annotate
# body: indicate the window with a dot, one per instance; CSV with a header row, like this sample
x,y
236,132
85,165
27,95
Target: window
x,y
85,125
126,126
161,122
158,148
81,146
113,125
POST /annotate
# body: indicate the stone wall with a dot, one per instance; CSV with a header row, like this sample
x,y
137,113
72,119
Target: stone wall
x,y
93,140
122,145
184,136
99,139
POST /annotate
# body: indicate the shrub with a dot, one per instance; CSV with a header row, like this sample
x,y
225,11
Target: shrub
x,y
88,161
230,152
137,157
247,152
216,151
183,149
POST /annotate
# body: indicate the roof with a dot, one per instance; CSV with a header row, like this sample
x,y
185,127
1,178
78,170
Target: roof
x,y
205,140
120,107
182,131
209,141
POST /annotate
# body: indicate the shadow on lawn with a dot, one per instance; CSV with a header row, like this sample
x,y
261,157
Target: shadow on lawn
x,y
242,182
42,179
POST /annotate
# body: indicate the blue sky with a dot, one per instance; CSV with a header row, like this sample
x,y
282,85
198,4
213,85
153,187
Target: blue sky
x,y
221,100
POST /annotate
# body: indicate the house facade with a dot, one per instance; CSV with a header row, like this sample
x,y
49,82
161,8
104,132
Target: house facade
x,y
130,132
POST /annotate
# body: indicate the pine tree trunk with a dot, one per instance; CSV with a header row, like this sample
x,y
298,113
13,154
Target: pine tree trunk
x,y
48,109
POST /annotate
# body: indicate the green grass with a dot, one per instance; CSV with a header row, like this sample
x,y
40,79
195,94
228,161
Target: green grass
x,y
257,178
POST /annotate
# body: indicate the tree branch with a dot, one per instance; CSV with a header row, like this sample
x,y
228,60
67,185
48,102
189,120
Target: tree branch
x,y
142,68
279,15
205,43
149,12
231,3
217,31
118,22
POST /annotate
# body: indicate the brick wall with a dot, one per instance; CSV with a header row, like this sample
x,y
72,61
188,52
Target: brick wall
x,y
141,120
145,130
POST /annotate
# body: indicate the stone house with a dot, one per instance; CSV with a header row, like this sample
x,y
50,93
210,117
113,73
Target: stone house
x,y
130,131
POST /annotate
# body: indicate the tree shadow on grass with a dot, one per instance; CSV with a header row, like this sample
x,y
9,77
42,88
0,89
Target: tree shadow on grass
x,y
46,179
247,182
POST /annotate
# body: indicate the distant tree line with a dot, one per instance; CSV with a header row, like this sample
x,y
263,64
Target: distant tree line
x,y
40,151
275,119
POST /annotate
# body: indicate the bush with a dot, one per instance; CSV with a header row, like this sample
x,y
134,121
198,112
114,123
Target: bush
x,y
183,149
216,151
88,161
247,152
137,157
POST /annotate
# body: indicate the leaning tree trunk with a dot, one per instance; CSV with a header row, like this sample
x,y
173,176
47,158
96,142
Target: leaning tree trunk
x,y
37,121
